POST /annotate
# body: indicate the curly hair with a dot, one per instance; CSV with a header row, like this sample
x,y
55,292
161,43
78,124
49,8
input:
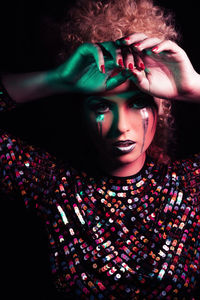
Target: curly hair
x,y
97,21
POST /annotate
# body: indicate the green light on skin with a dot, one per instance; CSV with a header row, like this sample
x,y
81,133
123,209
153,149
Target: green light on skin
x,y
121,94
128,94
100,118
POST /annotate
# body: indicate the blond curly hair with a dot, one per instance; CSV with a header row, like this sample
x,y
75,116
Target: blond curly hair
x,y
97,21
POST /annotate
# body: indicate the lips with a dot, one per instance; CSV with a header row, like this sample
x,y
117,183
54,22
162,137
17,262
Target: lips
x,y
123,147
123,143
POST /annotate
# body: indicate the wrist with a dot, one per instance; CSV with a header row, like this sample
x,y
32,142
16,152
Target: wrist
x,y
193,89
55,82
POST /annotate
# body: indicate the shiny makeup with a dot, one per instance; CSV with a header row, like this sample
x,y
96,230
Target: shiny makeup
x,y
122,126
145,122
124,147
99,120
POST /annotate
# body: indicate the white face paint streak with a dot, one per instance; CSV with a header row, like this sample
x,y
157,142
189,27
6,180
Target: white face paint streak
x,y
99,120
145,123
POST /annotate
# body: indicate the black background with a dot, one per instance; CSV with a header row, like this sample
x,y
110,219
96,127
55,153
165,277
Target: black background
x,y
29,42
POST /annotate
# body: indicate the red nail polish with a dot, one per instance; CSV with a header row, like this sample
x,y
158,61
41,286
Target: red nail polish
x,y
142,66
154,49
130,66
127,38
120,62
137,45
103,69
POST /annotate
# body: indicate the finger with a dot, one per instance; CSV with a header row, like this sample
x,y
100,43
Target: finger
x,y
113,82
139,76
147,43
139,63
167,45
111,50
89,49
99,58
119,58
140,80
129,59
131,39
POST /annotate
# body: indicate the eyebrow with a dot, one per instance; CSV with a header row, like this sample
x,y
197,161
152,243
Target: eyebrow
x,y
97,98
134,97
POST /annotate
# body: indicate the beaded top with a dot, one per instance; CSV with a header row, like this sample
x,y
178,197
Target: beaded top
x,y
109,237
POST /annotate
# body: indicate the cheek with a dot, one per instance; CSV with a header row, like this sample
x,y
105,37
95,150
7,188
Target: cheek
x,y
99,125
153,117
149,122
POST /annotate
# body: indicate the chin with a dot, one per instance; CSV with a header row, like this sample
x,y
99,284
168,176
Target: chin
x,y
130,157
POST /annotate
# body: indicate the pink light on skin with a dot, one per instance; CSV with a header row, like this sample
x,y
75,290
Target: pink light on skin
x,y
121,120
145,121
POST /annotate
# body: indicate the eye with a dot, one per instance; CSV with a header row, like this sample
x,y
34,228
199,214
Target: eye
x,y
101,108
139,103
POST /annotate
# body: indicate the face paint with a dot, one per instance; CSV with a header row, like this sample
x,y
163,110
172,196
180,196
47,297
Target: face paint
x,y
99,120
154,118
145,123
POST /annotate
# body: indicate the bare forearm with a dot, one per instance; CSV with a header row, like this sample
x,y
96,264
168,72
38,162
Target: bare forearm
x,y
194,92
30,86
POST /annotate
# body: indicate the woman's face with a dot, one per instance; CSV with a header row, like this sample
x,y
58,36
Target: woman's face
x,y
121,125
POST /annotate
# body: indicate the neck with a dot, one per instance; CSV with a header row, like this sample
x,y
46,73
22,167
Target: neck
x,y
128,169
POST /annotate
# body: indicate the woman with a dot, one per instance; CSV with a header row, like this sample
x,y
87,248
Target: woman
x,y
129,228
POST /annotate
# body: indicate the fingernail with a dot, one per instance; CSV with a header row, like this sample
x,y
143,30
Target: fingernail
x,y
142,66
103,69
154,49
120,62
126,40
137,45
130,66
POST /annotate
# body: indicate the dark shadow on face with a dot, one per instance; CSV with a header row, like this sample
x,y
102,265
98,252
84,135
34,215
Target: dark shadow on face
x,y
98,107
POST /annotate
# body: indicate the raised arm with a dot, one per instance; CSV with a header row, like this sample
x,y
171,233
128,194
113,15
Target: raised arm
x,y
28,86
83,72
167,72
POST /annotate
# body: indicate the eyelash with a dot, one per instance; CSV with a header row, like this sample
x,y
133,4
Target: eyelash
x,y
103,108
138,104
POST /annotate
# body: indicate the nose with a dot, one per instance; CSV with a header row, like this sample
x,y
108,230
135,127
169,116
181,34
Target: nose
x,y
123,124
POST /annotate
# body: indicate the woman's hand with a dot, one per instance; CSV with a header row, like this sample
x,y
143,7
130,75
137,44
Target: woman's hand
x,y
167,71
87,71
159,68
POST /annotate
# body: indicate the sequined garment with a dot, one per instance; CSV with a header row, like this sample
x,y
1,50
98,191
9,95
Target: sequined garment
x,y
109,237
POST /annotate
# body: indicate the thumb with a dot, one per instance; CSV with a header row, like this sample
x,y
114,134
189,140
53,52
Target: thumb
x,y
141,79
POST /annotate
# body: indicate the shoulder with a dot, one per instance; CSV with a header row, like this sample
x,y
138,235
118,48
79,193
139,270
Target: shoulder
x,y
187,174
182,175
187,167
13,151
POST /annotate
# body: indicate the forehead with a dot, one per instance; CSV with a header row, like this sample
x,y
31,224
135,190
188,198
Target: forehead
x,y
119,97
126,90
123,96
